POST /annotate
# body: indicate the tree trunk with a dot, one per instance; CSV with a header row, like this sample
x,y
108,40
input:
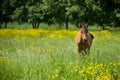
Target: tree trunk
x,y
5,25
67,17
37,26
33,25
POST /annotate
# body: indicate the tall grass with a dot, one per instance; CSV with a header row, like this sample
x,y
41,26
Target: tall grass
x,y
51,55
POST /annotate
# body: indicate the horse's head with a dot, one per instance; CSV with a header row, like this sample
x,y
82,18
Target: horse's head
x,y
83,31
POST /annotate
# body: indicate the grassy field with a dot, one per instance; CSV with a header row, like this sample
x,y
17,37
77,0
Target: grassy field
x,y
51,55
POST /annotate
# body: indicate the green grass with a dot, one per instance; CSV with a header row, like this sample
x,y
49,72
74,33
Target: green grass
x,y
16,25
43,58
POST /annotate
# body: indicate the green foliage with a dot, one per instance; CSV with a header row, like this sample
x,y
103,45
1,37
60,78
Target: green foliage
x,y
117,1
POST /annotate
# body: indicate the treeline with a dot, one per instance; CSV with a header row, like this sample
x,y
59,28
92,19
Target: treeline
x,y
60,11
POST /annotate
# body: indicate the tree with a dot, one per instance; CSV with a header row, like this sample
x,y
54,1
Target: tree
x,y
35,14
5,12
65,9
60,11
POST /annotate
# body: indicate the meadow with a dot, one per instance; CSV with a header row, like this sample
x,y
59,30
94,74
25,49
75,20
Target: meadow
x,y
39,54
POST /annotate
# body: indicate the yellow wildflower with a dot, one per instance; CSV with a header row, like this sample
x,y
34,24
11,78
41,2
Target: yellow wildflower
x,y
49,76
53,76
56,75
57,71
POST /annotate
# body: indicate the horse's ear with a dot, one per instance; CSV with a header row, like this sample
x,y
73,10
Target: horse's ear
x,y
79,25
86,24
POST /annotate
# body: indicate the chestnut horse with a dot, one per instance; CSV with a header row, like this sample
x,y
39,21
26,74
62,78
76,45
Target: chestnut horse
x,y
83,39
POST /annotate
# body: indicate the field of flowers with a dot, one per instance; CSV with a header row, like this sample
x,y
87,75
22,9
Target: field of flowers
x,y
37,54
